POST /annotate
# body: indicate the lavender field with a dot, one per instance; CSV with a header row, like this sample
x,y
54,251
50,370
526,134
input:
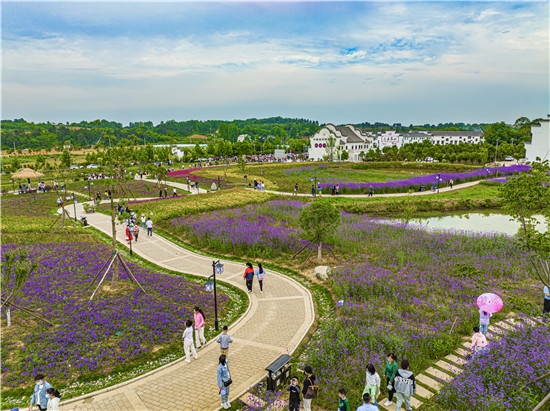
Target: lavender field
x,y
96,338
403,288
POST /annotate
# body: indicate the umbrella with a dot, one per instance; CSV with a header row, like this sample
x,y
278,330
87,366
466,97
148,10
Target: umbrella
x,y
27,173
489,302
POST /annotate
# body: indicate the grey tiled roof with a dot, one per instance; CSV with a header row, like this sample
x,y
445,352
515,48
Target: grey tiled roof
x,y
455,133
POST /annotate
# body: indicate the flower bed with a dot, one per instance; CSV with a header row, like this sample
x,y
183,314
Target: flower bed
x,y
93,338
130,189
427,181
403,289
204,182
496,379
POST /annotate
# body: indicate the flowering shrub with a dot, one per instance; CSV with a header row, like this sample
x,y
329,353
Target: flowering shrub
x,y
496,379
92,338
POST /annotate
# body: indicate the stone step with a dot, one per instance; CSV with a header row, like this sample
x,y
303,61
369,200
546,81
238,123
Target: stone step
x,y
423,392
515,323
506,326
462,352
528,321
467,344
448,367
415,403
439,374
433,384
383,407
278,405
456,360
252,401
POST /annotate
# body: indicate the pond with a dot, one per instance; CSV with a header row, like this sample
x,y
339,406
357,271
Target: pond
x,y
485,222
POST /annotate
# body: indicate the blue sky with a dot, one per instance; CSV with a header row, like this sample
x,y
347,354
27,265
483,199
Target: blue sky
x,y
407,62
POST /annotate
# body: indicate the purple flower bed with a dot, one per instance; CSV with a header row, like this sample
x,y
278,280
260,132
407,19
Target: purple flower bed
x,y
97,337
414,183
403,289
495,380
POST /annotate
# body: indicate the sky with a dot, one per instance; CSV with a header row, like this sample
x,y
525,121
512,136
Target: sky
x,y
340,62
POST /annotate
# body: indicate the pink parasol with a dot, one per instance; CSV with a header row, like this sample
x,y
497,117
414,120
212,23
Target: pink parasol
x,y
489,302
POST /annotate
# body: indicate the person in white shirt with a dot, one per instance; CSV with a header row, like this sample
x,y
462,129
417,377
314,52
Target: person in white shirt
x,y
372,384
54,398
188,345
149,227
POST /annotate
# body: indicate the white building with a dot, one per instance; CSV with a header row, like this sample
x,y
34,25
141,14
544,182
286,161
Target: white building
x,y
540,143
346,138
242,138
179,149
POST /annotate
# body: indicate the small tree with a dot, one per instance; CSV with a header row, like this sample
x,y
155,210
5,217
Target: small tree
x,y
66,159
525,194
318,222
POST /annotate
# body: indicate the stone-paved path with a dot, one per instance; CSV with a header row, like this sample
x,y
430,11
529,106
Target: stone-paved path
x,y
416,193
275,323
444,370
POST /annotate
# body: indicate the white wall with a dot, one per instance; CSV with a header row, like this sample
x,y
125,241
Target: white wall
x,y
540,144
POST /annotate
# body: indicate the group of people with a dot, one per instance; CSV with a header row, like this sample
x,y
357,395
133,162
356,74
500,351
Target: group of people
x,y
44,396
251,272
174,192
259,185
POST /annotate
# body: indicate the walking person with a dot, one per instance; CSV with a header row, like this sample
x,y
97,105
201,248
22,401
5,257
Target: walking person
x,y
404,385
479,341
371,191
389,372
249,276
319,191
54,398
143,220
367,404
451,182
149,224
296,189
343,402
260,276
224,339
188,345
294,395
165,192
160,192
546,306
313,190
39,396
224,381
136,233
372,383
197,185
199,327
484,321
174,192
309,388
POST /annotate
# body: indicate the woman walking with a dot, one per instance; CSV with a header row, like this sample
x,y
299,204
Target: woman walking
x,y
136,233
372,384
309,388
224,381
199,327
249,276
143,220
260,275
53,399
389,373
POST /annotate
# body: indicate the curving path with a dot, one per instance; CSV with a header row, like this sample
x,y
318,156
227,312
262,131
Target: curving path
x,y
416,193
275,323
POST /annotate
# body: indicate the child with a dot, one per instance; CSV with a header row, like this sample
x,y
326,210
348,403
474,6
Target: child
x,y
389,373
224,339
294,396
372,384
343,403
188,345
479,342
484,321
404,385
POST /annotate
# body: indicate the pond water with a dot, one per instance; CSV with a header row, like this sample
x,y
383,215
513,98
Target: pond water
x,y
485,222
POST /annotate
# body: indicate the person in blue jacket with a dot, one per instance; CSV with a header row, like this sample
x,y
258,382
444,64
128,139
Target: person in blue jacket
x,y
223,377
39,396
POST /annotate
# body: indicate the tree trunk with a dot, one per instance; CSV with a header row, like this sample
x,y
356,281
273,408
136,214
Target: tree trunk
x,y
113,227
8,315
320,250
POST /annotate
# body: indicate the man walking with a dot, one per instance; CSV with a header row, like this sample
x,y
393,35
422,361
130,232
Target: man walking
x,y
149,227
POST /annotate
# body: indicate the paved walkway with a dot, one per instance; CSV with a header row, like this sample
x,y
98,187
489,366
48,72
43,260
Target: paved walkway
x,y
275,323
181,186
416,193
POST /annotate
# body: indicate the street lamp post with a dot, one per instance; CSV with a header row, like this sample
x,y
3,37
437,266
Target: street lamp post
x,y
217,268
496,151
438,182
74,205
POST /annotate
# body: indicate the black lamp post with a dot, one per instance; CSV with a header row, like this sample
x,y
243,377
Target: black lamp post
x,y
74,205
496,165
217,268
438,182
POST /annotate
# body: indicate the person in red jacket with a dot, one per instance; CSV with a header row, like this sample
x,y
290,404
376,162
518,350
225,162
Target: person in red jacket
x,y
249,276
